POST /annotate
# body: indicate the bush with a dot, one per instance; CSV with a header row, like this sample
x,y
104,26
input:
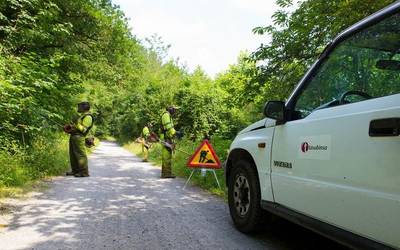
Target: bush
x,y
47,156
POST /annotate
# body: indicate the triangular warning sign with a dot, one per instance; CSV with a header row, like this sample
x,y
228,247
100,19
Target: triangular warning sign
x,y
204,157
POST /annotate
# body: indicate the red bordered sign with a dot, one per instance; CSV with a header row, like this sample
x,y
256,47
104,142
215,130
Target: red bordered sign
x,y
204,157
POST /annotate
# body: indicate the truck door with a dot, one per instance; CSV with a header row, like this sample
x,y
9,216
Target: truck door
x,y
338,158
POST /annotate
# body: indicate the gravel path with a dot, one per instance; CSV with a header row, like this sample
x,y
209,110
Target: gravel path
x,y
124,205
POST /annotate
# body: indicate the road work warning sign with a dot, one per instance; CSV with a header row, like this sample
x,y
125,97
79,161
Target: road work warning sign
x,y
204,157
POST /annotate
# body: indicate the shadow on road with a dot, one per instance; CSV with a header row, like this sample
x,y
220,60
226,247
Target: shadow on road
x,y
296,237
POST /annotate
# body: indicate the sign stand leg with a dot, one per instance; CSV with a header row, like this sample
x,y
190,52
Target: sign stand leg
x,y
215,175
195,169
190,176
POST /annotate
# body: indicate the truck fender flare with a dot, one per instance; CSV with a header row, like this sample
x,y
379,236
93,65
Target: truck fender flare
x,y
234,156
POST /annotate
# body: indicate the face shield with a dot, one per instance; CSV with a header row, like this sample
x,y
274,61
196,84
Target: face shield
x,y
171,110
83,107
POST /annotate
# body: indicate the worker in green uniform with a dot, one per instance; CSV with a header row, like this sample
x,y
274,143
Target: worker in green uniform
x,y
78,131
145,142
167,136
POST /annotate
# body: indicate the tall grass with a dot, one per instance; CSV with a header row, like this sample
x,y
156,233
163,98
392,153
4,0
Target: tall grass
x,y
46,156
180,159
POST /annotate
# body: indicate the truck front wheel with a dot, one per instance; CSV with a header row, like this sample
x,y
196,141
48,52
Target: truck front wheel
x,y
244,197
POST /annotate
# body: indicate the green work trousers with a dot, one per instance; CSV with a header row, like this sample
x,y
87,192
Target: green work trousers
x,y
77,155
145,150
166,166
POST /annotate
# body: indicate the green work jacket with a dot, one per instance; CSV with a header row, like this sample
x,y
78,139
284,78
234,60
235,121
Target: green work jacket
x,y
167,126
84,123
145,132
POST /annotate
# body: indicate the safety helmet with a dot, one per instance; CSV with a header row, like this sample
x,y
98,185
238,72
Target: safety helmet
x,y
83,107
171,110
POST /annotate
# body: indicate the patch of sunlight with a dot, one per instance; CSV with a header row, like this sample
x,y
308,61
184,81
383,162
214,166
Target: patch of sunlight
x,y
126,166
134,197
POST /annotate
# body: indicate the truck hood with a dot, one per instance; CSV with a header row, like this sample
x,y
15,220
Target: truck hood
x,y
253,126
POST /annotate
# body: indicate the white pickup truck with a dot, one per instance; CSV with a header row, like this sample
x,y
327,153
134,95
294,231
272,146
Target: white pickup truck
x,y
329,157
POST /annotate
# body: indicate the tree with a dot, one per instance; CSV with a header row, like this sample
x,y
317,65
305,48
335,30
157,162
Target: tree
x,y
299,37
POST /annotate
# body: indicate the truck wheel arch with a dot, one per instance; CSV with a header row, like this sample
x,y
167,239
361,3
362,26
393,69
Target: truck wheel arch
x,y
236,155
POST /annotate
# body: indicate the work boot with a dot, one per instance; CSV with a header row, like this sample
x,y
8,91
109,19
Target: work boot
x,y
168,176
81,175
144,160
69,173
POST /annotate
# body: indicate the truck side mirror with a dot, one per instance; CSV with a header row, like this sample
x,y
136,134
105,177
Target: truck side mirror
x,y
275,110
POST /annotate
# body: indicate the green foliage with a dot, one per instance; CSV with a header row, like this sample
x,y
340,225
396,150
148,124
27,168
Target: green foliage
x,y
201,106
242,107
298,38
45,157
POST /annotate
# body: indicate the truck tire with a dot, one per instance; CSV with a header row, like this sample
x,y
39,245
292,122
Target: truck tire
x,y
244,197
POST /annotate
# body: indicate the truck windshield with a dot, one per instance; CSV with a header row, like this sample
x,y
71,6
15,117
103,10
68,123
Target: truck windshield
x,y
364,66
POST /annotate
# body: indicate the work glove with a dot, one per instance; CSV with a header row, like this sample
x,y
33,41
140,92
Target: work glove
x,y
89,142
179,134
171,133
68,128
153,137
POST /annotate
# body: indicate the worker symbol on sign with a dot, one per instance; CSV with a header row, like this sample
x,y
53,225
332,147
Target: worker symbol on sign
x,y
203,157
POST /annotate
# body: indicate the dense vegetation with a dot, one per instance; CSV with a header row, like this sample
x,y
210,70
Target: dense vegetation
x,y
54,53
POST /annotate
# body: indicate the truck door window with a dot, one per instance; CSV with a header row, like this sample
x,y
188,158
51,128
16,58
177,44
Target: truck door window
x,y
365,65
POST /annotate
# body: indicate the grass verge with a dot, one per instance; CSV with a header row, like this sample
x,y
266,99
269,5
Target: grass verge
x,y
22,170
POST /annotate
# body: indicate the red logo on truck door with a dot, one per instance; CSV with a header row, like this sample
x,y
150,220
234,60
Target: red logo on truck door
x,y
304,147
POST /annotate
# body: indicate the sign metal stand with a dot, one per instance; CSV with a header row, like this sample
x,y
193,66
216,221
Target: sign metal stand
x,y
201,170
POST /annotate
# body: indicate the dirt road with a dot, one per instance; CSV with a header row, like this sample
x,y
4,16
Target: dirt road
x,y
124,205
